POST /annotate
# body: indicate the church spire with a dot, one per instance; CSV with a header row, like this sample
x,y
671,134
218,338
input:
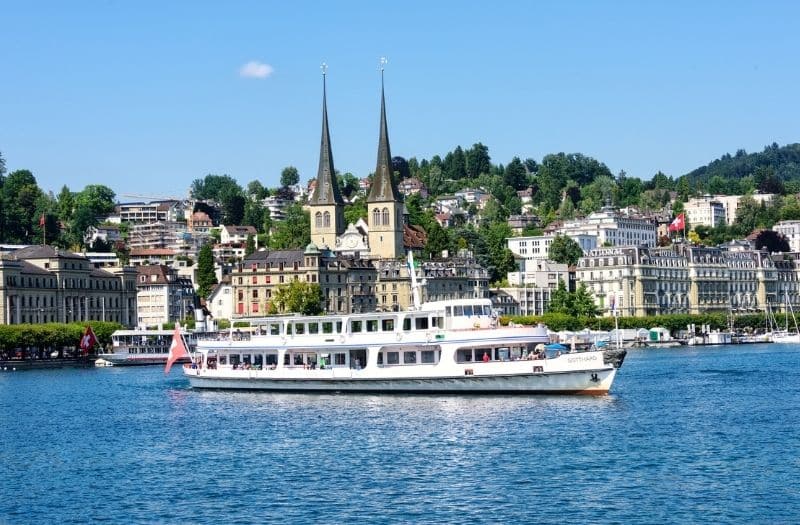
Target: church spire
x,y
383,188
327,188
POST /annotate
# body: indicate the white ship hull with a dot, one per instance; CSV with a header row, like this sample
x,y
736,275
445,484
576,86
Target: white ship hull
x,y
583,382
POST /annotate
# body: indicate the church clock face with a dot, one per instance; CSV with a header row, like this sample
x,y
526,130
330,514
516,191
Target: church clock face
x,y
351,242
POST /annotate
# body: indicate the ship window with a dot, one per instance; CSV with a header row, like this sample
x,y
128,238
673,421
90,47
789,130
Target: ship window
x,y
223,359
327,328
355,326
427,356
338,327
298,359
372,325
313,328
387,325
393,358
487,310
421,323
464,355
410,358
380,358
458,310
258,360
406,324
274,329
246,359
448,311
299,328
339,358
437,321
289,329
468,310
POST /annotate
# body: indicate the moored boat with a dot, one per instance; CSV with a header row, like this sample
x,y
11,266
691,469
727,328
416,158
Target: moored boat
x,y
143,347
454,346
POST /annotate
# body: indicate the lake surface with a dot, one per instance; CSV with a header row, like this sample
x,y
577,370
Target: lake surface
x,y
691,435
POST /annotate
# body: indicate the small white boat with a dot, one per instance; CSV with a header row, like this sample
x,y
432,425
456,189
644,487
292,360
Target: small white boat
x,y
102,363
143,347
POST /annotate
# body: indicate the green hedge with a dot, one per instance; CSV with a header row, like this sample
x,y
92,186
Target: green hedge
x,y
53,335
673,322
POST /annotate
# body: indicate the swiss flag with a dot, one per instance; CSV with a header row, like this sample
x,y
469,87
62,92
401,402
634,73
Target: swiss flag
x,y
88,340
177,349
41,220
678,223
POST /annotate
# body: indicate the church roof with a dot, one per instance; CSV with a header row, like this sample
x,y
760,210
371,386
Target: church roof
x,y
326,190
383,187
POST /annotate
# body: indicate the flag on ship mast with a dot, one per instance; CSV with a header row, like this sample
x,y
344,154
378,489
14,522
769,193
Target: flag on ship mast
x,y
177,349
88,340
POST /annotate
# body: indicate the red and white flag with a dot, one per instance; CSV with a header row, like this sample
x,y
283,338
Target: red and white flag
x,y
41,221
678,223
177,349
88,340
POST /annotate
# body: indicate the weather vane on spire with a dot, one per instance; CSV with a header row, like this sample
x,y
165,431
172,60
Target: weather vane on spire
x,y
324,68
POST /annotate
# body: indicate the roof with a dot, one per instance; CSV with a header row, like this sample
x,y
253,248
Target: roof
x,y
275,257
141,252
414,237
44,252
26,267
383,188
239,230
326,189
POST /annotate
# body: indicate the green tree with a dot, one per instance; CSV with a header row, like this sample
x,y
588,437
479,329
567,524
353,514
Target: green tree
x,y
20,195
515,174
478,160
256,190
299,297
349,184
289,176
560,300
206,276
250,246
356,210
565,250
583,304
233,205
294,231
212,186
66,204
96,198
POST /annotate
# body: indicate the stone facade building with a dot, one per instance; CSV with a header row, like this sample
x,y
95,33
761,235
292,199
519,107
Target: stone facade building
x,y
638,281
42,284
163,296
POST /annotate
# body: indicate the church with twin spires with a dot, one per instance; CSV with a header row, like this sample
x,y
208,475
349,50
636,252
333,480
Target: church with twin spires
x,y
385,222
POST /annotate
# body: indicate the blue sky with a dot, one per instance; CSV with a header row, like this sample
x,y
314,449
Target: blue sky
x,y
145,97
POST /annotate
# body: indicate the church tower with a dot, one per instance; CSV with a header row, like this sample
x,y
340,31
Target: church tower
x,y
384,207
326,205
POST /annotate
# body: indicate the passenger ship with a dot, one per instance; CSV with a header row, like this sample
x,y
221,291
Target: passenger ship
x,y
454,346
142,347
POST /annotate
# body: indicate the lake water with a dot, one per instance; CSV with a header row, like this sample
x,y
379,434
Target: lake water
x,y
691,435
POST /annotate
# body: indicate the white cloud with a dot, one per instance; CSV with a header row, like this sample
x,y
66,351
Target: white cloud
x,y
255,69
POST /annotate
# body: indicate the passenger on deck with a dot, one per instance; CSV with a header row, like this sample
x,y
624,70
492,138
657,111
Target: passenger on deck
x,y
485,357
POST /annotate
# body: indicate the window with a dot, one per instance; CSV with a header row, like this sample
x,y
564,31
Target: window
x,y
355,326
386,216
339,358
254,308
393,358
326,219
318,219
387,325
372,325
376,217
427,356
255,294
313,328
421,323
409,358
